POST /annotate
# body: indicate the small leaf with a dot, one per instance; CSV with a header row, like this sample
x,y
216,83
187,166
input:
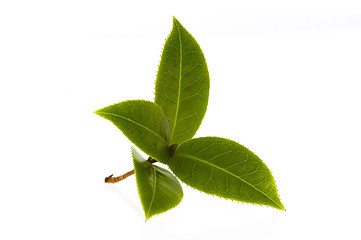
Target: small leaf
x,y
142,122
159,190
182,85
225,168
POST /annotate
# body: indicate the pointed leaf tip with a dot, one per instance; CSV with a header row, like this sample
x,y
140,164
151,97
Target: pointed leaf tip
x,y
227,169
143,123
175,20
182,84
159,190
97,112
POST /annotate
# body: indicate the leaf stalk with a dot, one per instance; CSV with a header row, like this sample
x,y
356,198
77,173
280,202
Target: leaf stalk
x,y
111,179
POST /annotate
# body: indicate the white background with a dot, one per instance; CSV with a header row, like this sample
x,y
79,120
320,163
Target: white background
x,y
285,82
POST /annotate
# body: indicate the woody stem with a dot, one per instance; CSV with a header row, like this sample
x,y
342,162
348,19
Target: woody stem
x,y
112,179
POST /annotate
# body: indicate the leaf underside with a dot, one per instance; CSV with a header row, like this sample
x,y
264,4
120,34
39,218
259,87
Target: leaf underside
x,y
225,168
142,122
159,190
182,84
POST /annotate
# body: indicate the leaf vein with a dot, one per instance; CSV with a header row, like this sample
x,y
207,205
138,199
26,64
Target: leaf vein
x,y
230,173
180,79
191,96
134,122
196,65
195,81
155,186
218,155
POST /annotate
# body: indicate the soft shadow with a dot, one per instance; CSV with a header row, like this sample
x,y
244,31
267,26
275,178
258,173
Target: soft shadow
x,y
116,190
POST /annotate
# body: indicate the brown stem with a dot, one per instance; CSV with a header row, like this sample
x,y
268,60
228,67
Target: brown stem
x,y
112,179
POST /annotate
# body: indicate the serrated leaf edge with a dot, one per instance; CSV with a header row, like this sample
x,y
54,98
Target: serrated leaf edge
x,y
146,215
175,22
212,165
100,113
281,207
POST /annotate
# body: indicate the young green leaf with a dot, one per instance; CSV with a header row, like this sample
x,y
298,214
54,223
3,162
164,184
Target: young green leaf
x,y
182,85
225,168
159,190
144,123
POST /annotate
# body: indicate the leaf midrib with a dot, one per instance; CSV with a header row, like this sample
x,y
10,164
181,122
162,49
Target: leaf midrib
x,y
155,186
130,120
224,170
180,80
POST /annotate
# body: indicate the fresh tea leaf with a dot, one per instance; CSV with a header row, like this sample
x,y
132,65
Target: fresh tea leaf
x,y
159,190
225,168
182,85
142,122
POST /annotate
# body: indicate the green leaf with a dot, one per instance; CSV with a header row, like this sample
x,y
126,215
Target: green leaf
x,y
182,85
142,122
225,168
159,190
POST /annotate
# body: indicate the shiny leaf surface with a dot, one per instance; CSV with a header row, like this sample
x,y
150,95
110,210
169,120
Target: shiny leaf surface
x,y
225,168
142,122
182,85
159,189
